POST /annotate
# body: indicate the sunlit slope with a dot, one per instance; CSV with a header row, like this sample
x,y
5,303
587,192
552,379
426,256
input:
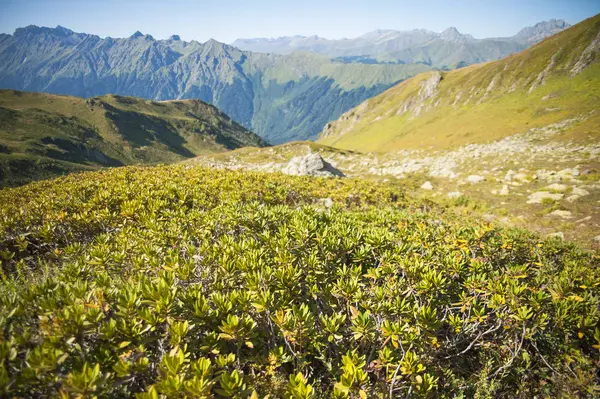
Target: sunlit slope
x,y
43,135
554,80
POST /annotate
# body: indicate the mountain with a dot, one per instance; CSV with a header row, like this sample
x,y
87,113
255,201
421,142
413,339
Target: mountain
x,y
280,97
44,135
553,81
448,49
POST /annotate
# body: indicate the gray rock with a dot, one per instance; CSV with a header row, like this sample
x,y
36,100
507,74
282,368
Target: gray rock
x,y
538,197
557,187
475,179
427,186
561,214
311,165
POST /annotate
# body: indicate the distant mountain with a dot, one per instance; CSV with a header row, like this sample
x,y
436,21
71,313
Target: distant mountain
x,y
43,135
447,49
555,80
282,98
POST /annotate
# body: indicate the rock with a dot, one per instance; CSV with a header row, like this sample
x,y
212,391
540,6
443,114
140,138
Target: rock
x,y
521,177
311,165
454,194
538,197
572,198
562,214
427,186
585,219
597,239
509,175
557,187
475,179
326,202
580,192
504,190
559,234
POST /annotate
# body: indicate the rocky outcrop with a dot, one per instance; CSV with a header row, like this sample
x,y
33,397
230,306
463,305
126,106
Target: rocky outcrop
x,y
311,165
588,56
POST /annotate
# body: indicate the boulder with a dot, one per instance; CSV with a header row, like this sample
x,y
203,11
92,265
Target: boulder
x,y
311,165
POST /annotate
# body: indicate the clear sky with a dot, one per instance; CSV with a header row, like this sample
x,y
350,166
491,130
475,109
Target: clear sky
x,y
226,20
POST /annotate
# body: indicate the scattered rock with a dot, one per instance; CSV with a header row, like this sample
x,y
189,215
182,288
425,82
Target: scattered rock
x,y
538,197
557,187
585,219
311,165
427,186
475,179
562,214
580,192
326,202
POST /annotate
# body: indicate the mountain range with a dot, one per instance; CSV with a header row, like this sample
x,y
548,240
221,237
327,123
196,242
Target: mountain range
x,y
280,97
447,49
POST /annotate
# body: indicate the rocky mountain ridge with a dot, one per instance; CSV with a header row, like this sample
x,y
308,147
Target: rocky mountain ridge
x,y
279,97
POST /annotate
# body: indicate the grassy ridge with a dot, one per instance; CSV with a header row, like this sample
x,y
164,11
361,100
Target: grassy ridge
x,y
483,102
184,281
43,135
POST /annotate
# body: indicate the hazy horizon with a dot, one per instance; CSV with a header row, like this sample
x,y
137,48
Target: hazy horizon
x,y
268,19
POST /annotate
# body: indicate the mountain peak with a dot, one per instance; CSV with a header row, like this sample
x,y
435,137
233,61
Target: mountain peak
x,y
175,38
542,30
136,35
452,35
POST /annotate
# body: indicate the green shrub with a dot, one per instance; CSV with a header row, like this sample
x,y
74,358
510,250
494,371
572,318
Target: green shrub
x,y
186,282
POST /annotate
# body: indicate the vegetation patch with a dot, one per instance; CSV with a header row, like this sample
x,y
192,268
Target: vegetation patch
x,y
181,281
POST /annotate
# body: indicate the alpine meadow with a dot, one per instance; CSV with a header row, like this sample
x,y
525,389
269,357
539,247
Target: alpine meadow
x,y
398,214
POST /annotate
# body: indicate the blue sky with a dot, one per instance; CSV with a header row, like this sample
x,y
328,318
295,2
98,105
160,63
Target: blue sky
x,y
226,20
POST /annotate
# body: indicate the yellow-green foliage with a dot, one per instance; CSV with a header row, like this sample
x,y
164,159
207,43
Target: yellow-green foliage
x,y
187,282
483,102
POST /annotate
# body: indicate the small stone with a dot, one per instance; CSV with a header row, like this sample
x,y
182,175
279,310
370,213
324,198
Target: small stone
x,y
504,190
557,187
454,194
597,239
538,197
562,214
580,191
475,179
559,234
427,186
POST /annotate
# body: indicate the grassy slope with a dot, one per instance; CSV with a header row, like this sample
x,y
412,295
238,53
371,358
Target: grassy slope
x,y
43,135
479,114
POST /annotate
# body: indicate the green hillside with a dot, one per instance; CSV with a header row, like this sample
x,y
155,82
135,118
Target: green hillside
x,y
45,135
555,80
179,281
